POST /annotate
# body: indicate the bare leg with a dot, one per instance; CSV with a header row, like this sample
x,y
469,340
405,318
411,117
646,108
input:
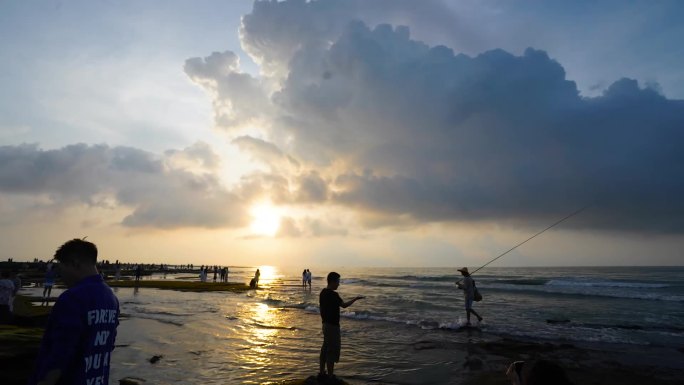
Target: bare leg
x,y
476,315
322,364
331,367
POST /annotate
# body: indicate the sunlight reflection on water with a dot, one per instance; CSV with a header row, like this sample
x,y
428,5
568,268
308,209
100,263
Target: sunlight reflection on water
x,y
258,336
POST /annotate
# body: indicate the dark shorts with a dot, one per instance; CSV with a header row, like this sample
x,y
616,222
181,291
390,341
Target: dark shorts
x,y
5,314
468,303
332,343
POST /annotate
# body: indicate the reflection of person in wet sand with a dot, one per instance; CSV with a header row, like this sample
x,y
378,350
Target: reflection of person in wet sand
x,y
330,303
468,287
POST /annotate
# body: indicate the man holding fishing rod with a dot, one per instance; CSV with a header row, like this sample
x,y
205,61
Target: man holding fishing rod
x,y
468,287
468,284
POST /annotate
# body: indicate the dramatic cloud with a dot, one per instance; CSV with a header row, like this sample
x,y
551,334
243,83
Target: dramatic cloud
x,y
158,191
239,99
401,131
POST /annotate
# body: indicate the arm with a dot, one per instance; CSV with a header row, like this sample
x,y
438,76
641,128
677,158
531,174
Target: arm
x,y
351,301
63,335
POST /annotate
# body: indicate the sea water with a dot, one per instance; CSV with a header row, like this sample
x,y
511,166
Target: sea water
x,y
273,333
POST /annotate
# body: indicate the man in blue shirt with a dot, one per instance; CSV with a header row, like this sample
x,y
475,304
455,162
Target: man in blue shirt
x,y
79,338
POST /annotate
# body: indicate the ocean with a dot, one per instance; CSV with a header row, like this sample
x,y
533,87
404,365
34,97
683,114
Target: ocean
x,y
273,333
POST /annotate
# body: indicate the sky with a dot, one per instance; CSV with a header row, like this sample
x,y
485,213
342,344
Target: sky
x,y
344,132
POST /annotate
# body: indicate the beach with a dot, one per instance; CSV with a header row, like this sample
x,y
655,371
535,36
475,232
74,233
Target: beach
x,y
407,331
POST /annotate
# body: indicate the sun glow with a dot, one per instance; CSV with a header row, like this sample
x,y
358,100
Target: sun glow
x,y
265,219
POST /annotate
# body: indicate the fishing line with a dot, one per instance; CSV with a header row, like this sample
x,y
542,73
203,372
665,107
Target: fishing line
x,y
530,238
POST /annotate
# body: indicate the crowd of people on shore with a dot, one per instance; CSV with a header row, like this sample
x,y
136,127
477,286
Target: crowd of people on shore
x,y
220,273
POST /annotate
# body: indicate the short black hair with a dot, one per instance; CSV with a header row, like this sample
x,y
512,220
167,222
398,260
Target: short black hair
x,y
333,276
77,250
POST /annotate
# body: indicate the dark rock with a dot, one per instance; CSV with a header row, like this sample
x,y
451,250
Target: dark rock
x,y
425,345
473,363
557,321
154,359
324,380
131,381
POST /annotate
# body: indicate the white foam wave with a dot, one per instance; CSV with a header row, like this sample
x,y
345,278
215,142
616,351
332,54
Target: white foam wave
x,y
636,285
612,292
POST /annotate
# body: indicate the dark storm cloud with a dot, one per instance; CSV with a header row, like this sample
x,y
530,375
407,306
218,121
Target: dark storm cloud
x,y
414,133
158,193
499,137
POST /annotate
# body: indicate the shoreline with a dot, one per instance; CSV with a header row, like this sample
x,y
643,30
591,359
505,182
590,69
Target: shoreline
x,y
470,363
193,286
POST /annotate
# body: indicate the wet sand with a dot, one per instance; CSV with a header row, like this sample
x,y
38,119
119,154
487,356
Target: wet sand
x,y
464,363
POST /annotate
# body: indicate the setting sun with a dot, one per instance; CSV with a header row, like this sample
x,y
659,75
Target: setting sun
x,y
265,219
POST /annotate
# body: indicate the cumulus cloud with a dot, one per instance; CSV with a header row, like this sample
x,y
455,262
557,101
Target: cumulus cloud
x,y
158,191
401,131
310,227
265,152
239,99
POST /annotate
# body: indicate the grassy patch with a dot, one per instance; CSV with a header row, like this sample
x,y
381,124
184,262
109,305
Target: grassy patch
x,y
24,308
18,334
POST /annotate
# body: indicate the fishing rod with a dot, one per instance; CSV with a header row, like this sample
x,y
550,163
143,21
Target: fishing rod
x,y
530,238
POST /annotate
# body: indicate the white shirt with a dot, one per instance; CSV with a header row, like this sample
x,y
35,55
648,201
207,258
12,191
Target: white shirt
x,y
6,292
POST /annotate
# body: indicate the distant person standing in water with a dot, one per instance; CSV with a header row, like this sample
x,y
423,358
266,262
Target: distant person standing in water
x,y
117,271
6,298
330,303
49,283
304,278
468,287
308,278
80,334
257,274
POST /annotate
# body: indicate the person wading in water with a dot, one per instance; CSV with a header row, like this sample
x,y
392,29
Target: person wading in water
x,y
468,287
